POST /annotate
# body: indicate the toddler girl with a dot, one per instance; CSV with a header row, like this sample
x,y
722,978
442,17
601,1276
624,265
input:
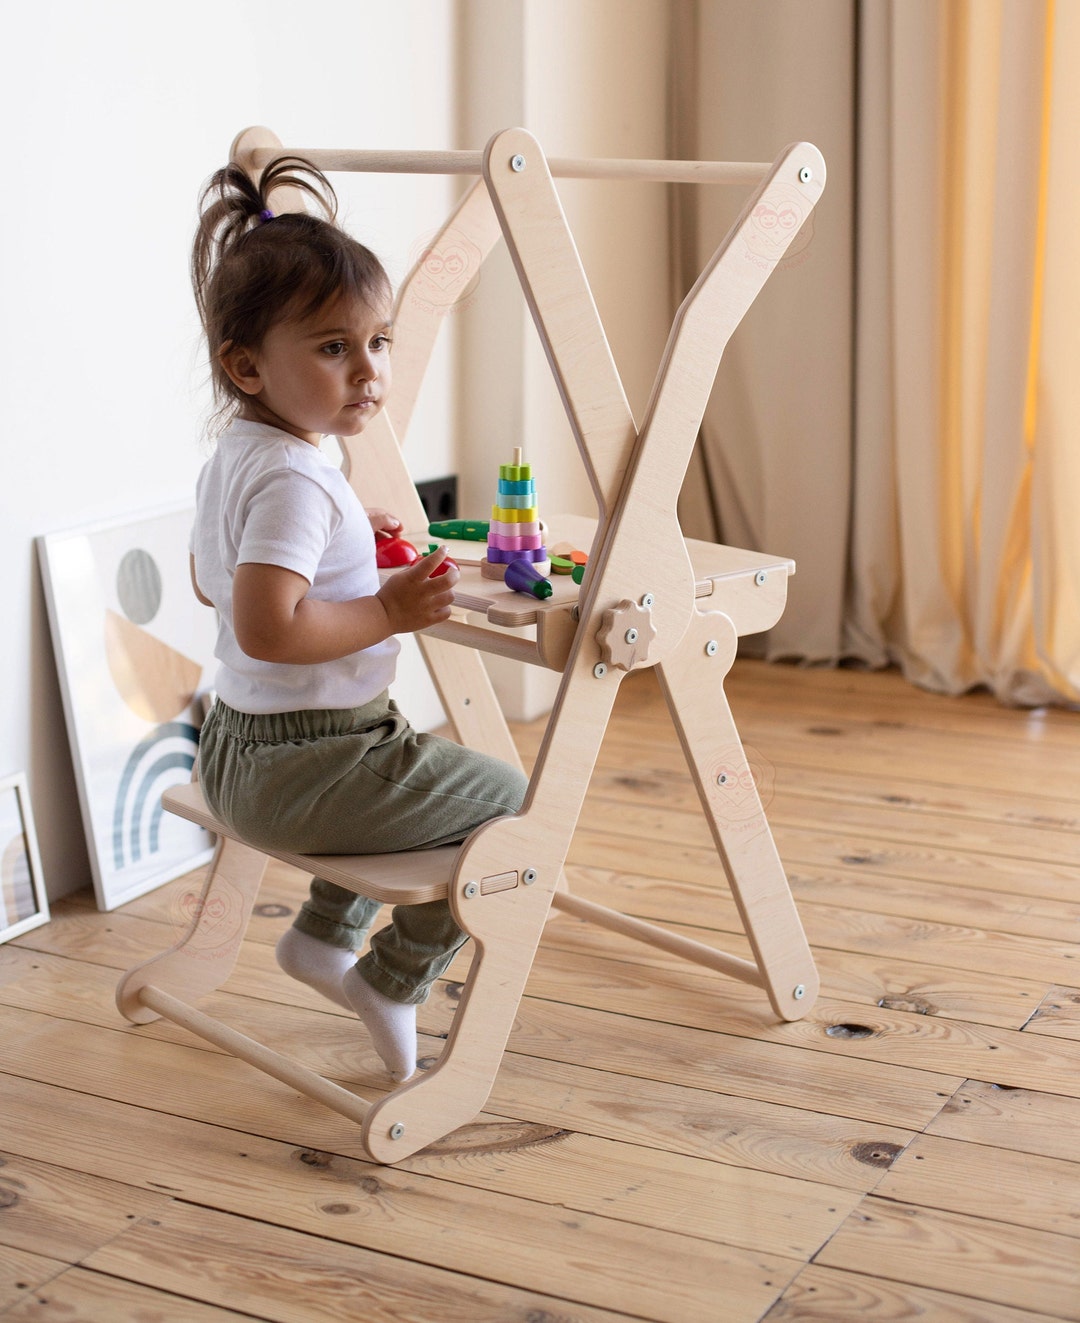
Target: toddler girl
x,y
303,750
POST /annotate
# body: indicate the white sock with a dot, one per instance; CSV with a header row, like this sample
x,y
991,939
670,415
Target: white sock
x,y
318,964
391,1024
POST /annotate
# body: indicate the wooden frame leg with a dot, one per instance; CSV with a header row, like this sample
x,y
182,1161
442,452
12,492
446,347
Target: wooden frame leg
x,y
733,808
506,926
465,690
205,956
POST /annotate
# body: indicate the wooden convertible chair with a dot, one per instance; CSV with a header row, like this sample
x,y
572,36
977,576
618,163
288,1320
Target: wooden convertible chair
x,y
681,612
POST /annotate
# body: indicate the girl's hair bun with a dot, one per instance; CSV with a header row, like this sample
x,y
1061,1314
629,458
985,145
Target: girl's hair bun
x,y
252,266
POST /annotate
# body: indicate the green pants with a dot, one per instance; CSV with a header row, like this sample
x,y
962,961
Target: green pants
x,y
356,781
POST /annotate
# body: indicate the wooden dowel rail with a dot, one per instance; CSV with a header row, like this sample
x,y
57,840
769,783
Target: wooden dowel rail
x,y
469,163
487,640
255,1054
734,967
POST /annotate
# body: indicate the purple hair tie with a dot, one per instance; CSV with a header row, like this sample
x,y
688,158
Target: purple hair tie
x,y
264,216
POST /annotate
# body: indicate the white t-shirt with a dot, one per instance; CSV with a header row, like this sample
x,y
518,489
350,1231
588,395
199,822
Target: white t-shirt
x,y
268,498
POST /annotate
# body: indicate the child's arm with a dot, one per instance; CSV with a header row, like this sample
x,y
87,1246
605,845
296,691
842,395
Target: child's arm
x,y
195,584
275,621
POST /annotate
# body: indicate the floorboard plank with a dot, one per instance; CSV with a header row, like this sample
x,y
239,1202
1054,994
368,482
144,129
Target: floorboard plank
x,y
972,1256
290,1277
65,1215
22,1272
826,1295
1021,1189
78,1296
1017,1120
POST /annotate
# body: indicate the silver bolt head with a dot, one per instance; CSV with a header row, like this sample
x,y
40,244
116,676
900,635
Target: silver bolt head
x,y
805,175
712,648
397,1130
799,992
648,599
631,636
760,578
471,889
517,163
529,876
599,670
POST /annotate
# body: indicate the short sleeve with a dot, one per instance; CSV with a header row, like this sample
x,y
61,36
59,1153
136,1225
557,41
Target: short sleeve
x,y
288,521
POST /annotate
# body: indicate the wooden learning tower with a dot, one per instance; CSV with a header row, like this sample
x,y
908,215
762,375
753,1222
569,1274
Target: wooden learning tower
x,y
681,613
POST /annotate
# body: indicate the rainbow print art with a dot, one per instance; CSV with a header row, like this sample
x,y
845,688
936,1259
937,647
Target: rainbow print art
x,y
134,651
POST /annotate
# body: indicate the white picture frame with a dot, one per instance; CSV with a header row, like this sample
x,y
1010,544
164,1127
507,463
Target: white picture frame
x,y
134,652
23,902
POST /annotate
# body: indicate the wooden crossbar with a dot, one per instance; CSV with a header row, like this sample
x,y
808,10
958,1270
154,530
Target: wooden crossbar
x,y
471,163
282,1068
653,935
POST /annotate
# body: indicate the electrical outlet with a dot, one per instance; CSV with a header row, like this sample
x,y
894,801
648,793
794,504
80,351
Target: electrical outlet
x,y
438,496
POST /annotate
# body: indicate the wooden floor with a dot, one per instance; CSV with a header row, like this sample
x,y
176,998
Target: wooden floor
x,y
656,1146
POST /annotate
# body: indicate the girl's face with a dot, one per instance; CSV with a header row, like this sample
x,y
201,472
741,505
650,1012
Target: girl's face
x,y
323,375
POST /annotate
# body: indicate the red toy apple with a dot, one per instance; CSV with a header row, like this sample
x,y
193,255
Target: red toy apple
x,y
443,565
392,551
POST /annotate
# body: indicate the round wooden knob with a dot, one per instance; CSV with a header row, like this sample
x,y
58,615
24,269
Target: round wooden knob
x,y
626,634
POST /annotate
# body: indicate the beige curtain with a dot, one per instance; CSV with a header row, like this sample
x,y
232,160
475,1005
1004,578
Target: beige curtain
x,y
953,483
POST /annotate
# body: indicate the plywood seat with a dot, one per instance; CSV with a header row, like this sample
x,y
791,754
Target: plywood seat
x,y
411,878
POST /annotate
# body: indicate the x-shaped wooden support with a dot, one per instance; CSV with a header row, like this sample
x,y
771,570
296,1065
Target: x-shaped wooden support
x,y
640,582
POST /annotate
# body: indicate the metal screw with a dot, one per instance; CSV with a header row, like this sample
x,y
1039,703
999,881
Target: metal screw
x,y
470,890
721,780
648,599
760,578
712,648
800,992
805,175
529,876
599,670
397,1130
517,163
630,636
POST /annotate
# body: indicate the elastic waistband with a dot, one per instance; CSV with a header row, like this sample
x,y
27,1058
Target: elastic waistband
x,y
308,724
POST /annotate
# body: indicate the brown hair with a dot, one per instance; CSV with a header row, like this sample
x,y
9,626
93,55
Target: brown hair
x,y
251,269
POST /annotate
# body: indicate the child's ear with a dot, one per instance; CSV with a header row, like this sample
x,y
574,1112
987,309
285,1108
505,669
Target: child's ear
x,y
241,368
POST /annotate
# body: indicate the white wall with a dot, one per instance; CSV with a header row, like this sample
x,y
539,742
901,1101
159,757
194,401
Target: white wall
x,y
116,113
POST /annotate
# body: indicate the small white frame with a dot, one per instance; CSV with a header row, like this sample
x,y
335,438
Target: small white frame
x,y
23,902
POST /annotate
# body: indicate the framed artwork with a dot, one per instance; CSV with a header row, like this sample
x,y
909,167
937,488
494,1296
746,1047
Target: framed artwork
x,y
23,904
134,650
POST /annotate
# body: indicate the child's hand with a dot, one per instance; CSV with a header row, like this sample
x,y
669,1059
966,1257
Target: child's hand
x,y
383,522
413,600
